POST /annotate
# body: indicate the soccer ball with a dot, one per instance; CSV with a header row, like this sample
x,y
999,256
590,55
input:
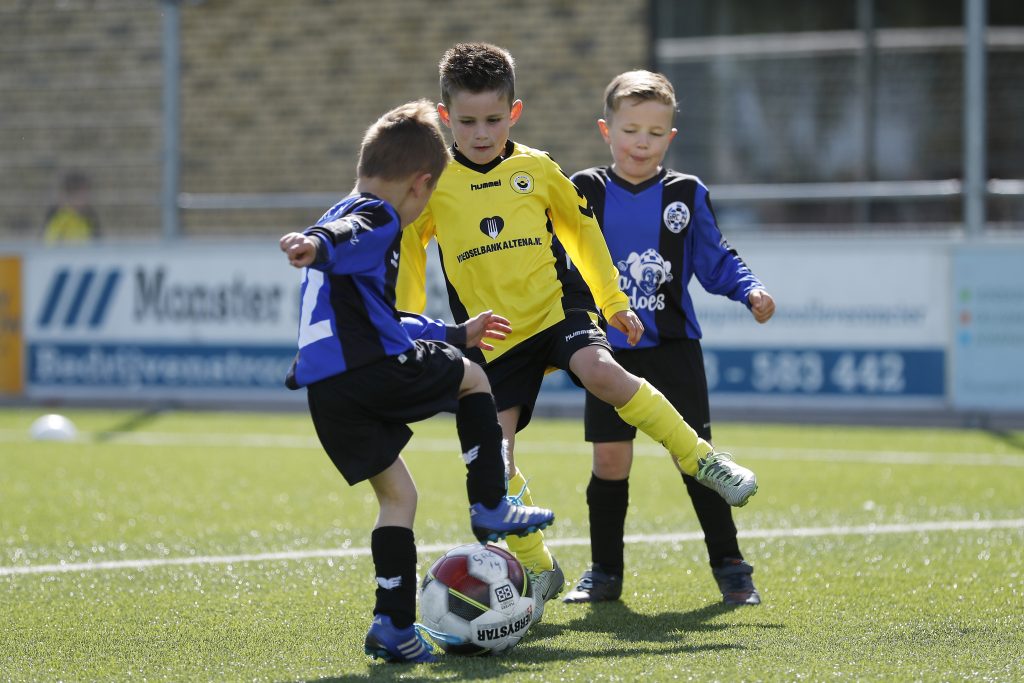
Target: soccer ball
x,y
476,599
53,428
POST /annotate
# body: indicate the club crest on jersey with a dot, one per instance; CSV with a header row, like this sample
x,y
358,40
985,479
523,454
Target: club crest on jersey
x,y
676,216
648,270
522,182
491,226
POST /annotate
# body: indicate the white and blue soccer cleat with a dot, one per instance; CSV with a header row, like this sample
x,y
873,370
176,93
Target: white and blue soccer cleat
x,y
508,517
397,645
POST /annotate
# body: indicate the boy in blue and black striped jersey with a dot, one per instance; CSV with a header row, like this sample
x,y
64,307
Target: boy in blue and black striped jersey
x,y
369,370
661,231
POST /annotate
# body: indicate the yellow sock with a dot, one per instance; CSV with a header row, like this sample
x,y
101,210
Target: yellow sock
x,y
529,550
651,413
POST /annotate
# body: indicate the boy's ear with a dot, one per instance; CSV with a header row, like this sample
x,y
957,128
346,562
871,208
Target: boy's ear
x,y
442,113
517,111
422,184
602,126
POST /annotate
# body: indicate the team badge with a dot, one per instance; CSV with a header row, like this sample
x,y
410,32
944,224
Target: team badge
x,y
491,226
522,182
676,217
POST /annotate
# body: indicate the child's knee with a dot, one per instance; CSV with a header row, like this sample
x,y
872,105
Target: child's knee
x,y
474,380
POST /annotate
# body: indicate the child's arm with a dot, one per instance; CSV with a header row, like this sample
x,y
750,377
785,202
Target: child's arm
x,y
718,267
411,289
299,248
473,332
484,326
579,233
762,305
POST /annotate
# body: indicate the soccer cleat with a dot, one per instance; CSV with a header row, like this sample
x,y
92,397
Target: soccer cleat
x,y
733,482
397,645
546,586
508,517
735,581
596,585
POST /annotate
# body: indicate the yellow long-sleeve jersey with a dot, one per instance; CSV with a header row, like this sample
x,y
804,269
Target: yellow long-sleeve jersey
x,y
494,227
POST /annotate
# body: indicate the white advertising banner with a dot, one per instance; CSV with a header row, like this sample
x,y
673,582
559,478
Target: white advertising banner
x,y
859,323
988,349
159,321
865,319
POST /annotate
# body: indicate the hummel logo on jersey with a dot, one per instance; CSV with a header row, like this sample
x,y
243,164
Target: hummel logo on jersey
x,y
389,584
491,226
577,333
394,258
470,455
484,186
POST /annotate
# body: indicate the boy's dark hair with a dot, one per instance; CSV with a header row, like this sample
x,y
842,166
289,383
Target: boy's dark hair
x,y
639,85
476,68
404,141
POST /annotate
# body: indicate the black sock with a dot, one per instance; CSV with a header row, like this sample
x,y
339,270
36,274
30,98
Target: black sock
x,y
394,561
715,517
480,437
607,500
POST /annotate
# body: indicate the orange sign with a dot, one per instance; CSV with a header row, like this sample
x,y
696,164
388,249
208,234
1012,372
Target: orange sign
x,y
11,344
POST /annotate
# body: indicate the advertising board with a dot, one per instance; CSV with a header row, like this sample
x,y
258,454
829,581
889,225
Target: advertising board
x,y
172,321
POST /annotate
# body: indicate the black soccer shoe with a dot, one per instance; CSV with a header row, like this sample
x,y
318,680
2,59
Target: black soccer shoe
x,y
596,585
736,583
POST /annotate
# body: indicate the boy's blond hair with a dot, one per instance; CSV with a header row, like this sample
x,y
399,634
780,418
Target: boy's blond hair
x,y
638,85
402,142
476,68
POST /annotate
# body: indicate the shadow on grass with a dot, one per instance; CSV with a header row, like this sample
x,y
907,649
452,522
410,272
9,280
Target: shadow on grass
x,y
130,424
1014,440
639,634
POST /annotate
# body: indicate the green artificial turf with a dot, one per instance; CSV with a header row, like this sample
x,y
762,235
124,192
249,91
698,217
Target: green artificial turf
x,y
236,552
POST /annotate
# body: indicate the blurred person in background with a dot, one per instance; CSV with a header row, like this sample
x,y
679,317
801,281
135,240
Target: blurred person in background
x,y
72,219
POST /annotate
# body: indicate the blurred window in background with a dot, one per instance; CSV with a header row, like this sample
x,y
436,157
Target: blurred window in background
x,y
799,91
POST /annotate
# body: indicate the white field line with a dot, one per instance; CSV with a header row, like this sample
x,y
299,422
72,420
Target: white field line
x,y
805,532
528,445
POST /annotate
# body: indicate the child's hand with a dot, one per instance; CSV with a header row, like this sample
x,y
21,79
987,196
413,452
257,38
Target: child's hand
x,y
627,323
762,305
485,326
301,249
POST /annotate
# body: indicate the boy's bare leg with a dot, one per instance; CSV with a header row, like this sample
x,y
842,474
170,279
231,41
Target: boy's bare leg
x,y
397,496
393,545
548,579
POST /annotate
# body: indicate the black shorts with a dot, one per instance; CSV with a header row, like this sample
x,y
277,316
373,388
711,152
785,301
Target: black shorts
x,y
516,375
676,369
361,416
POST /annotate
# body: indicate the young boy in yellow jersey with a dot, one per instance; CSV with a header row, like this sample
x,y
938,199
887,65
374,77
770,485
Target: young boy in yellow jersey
x,y
495,213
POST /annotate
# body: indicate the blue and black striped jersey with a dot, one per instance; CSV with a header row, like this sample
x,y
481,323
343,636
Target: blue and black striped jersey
x,y
661,233
347,315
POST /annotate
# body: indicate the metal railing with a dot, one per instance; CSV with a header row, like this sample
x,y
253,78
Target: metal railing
x,y
881,190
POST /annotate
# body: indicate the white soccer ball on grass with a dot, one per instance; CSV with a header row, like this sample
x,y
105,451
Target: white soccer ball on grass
x,y
53,427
